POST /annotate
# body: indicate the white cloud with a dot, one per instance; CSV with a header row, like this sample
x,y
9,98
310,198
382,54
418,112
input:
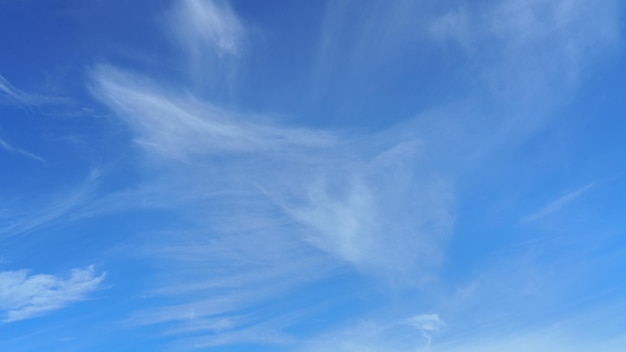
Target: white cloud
x,y
557,204
24,296
13,93
531,51
522,53
11,149
179,127
211,37
426,322
265,202
17,216
26,99
206,26
414,335
383,214
408,335
374,209
262,197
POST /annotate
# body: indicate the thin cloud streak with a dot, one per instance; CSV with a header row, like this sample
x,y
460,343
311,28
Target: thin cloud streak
x,y
380,335
27,100
14,94
21,219
11,149
558,204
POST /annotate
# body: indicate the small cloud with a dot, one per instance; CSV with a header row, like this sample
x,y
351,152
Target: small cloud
x,y
24,296
210,24
210,36
557,204
378,335
14,94
11,149
426,322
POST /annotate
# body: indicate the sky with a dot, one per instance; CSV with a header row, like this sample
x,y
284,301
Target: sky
x,y
312,176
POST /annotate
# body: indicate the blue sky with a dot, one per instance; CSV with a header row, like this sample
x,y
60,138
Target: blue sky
x,y
349,176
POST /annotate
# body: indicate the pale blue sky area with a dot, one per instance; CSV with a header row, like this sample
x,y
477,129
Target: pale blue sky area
x,y
312,176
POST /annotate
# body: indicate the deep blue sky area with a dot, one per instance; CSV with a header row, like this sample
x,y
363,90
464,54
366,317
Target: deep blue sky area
x,y
308,176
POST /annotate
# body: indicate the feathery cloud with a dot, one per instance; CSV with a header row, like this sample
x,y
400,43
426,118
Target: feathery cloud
x,y
268,202
179,127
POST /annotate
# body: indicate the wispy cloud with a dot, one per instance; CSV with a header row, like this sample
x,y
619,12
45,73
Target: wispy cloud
x,y
17,217
26,99
527,49
211,37
266,202
377,335
14,94
558,204
427,324
261,202
318,179
11,149
179,127
524,54
24,296
206,27
379,214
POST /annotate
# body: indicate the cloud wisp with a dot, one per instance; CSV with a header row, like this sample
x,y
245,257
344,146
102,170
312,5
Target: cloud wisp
x,y
259,203
318,179
18,219
11,149
18,97
15,95
285,201
180,127
378,335
264,202
24,295
558,204
206,27
210,37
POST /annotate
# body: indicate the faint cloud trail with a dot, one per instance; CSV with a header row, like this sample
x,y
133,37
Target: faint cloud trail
x,y
11,149
558,204
13,93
